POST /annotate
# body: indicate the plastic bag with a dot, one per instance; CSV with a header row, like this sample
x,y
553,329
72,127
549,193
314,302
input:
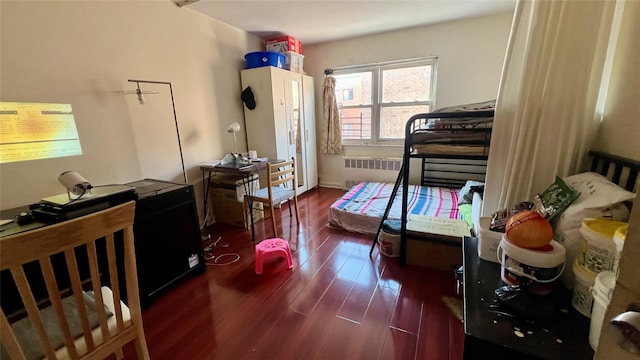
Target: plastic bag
x,y
520,302
555,199
499,218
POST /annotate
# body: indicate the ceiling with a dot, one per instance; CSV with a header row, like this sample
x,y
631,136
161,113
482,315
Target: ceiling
x,y
316,21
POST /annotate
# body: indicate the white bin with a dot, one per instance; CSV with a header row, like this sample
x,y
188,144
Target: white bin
x,y
601,291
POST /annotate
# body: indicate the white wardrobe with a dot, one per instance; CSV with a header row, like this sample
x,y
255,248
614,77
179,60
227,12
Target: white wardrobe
x,y
282,125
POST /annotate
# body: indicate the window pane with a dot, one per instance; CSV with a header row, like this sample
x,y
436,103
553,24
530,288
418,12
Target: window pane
x,y
394,118
358,85
356,123
407,84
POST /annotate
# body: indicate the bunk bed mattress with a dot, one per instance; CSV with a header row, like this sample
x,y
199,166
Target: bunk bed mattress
x,y
361,208
457,136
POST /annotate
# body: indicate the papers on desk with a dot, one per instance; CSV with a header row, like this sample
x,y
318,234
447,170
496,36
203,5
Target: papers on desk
x,y
436,225
234,165
209,165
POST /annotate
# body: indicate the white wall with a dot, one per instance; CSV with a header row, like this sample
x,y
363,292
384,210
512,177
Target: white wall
x,y
619,135
82,52
621,119
470,56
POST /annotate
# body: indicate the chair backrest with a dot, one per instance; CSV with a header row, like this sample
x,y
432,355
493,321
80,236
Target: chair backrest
x,y
62,261
282,173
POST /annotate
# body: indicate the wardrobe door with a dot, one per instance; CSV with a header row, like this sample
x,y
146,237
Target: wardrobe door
x,y
265,123
309,136
296,129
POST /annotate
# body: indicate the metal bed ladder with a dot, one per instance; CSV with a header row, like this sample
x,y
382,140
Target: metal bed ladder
x,y
394,192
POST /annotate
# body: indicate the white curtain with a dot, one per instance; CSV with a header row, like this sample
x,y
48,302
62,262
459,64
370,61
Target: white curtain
x,y
546,116
331,136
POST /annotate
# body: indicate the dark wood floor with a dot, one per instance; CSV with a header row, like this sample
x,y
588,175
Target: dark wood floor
x,y
336,303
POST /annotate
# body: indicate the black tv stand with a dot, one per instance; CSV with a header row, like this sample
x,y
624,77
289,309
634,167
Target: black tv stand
x,y
166,237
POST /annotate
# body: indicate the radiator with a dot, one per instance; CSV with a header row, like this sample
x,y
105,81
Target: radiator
x,y
357,169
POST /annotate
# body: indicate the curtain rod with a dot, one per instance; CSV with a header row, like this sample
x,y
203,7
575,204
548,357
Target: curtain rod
x,y
329,71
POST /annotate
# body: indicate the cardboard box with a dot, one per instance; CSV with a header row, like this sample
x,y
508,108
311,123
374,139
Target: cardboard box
x,y
438,255
293,62
235,182
228,210
282,44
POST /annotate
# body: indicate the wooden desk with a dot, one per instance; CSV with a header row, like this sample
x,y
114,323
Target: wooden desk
x,y
490,332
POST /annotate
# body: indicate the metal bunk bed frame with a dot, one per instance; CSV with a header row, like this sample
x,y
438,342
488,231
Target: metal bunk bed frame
x,y
475,165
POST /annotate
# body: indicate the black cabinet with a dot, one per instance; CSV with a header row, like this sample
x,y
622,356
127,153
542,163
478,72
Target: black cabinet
x,y
167,241
167,236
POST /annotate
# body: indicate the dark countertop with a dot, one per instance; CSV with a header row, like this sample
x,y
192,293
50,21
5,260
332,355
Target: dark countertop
x,y
492,330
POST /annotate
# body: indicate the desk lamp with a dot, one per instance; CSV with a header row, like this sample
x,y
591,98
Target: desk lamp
x,y
234,156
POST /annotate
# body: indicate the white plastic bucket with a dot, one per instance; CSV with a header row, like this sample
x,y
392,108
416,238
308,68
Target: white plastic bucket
x,y
536,267
581,299
488,240
601,291
599,250
618,239
389,244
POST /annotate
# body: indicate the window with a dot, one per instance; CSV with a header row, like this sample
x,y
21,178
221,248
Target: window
x,y
375,101
347,94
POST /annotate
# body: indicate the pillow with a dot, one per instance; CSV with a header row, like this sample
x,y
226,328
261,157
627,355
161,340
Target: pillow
x,y
465,195
596,190
465,214
599,197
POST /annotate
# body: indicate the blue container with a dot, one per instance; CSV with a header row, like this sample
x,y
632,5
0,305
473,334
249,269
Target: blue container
x,y
264,58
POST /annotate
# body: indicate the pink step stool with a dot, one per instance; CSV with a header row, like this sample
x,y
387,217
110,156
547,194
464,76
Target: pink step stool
x,y
272,247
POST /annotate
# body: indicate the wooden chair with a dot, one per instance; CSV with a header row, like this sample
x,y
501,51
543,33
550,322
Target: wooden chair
x,y
78,317
281,186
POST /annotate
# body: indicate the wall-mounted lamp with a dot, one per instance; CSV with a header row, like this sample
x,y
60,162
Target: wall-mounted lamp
x,y
139,92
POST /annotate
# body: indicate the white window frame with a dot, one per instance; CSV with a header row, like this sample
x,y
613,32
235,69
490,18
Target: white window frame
x,y
376,91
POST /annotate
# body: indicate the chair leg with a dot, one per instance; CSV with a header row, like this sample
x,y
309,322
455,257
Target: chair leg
x,y
273,221
141,346
247,212
295,201
244,207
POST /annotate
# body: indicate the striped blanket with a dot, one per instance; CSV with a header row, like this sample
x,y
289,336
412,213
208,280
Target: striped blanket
x,y
361,208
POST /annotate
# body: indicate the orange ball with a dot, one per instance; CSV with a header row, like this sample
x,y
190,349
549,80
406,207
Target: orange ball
x,y
528,229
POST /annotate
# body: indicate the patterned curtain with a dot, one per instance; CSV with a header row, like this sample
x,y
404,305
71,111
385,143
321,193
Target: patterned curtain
x,y
331,141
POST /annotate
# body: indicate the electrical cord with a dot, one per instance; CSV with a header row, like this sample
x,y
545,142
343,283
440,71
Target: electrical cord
x,y
213,260
84,191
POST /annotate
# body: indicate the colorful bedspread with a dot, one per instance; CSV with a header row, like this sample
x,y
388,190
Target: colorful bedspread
x,y
361,208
